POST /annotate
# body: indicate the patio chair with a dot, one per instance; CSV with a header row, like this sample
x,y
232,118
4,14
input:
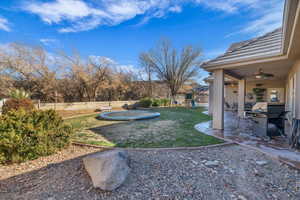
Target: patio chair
x,y
229,107
235,107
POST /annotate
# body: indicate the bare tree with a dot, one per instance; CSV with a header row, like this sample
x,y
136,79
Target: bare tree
x,y
28,67
89,76
171,67
148,70
65,78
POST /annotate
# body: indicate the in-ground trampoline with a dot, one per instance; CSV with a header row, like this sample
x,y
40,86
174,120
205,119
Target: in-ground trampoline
x,y
129,115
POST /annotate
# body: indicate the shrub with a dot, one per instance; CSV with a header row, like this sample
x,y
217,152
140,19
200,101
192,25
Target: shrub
x,y
145,103
29,135
16,104
165,102
156,102
19,94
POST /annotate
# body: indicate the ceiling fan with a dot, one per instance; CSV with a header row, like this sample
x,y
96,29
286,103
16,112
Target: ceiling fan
x,y
262,75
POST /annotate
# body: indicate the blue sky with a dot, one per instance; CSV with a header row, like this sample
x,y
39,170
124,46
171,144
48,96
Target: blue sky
x,y
122,29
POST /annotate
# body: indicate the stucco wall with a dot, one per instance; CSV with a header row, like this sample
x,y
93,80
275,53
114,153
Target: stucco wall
x,y
231,94
231,91
202,98
84,105
265,84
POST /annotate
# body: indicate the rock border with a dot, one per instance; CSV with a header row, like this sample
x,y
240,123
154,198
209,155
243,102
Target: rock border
x,y
155,149
126,118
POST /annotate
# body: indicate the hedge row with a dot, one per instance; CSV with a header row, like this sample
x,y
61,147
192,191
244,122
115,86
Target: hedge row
x,y
148,102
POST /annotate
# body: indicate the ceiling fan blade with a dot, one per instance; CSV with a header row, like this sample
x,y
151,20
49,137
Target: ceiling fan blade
x,y
261,74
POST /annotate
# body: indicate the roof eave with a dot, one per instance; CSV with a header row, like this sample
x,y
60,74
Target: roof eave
x,y
290,11
242,62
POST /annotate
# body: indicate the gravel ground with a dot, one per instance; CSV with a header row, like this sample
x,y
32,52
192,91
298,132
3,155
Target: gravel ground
x,y
167,175
71,152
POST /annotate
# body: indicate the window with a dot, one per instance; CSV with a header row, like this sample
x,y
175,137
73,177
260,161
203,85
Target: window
x,y
275,95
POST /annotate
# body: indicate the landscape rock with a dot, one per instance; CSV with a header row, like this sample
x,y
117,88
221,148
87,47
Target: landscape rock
x,y
241,197
261,162
214,163
108,170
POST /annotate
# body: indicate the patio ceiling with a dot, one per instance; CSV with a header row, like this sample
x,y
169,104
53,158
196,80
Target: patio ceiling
x,y
278,68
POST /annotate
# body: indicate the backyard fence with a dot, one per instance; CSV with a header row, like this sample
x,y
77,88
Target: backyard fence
x,y
83,105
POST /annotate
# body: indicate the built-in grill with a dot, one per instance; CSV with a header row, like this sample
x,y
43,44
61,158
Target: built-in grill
x,y
264,114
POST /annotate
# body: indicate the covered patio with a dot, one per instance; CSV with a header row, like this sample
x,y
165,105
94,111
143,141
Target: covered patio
x,y
239,86
259,78
240,131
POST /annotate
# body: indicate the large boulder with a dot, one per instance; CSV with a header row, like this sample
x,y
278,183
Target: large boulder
x,y
108,169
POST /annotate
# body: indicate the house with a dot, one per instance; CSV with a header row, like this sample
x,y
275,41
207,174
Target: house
x,y
201,93
265,68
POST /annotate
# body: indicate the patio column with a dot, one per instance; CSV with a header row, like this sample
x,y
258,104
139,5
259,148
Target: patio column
x,y
210,98
297,92
241,97
218,100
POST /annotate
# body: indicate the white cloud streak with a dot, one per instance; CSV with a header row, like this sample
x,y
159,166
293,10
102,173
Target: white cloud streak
x,y
84,15
4,25
267,17
48,41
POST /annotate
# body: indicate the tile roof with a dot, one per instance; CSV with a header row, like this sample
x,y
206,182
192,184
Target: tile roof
x,y
267,45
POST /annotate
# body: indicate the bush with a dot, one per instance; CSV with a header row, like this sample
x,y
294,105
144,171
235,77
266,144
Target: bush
x,y
165,102
16,104
29,135
145,103
19,94
156,102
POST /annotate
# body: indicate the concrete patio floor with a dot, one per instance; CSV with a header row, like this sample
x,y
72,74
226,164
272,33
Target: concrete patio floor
x,y
240,132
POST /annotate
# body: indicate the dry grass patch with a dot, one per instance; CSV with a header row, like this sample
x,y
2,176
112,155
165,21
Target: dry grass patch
x,y
174,128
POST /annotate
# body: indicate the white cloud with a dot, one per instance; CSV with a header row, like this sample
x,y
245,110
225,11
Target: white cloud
x,y
226,6
102,59
118,67
75,11
127,68
48,41
175,9
266,17
131,69
268,21
59,10
83,15
4,25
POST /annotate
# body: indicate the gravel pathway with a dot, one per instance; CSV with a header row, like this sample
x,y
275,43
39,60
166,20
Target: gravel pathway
x,y
234,172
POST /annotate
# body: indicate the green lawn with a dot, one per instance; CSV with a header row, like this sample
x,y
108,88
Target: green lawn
x,y
174,128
